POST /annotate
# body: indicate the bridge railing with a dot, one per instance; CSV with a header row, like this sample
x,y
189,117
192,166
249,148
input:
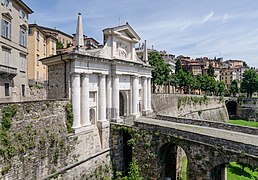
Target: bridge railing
x,y
213,124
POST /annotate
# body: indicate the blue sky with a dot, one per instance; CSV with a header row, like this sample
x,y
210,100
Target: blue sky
x,y
195,28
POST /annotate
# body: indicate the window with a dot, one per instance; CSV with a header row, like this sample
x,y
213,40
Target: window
x,y
37,60
22,14
6,28
5,2
6,56
37,75
23,90
23,63
6,89
45,49
37,40
23,37
30,31
53,47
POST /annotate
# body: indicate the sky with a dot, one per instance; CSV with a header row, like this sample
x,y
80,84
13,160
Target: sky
x,y
195,28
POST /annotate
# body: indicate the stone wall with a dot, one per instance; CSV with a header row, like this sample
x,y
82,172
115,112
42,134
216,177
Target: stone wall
x,y
190,106
247,108
37,92
38,145
58,84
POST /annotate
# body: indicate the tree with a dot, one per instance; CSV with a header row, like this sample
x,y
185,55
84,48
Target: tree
x,y
211,71
59,45
245,64
249,83
178,66
161,72
234,88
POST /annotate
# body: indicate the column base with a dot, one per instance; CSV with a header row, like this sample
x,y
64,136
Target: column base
x,y
136,115
147,112
84,129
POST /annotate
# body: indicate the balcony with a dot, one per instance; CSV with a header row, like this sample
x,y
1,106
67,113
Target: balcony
x,y
7,71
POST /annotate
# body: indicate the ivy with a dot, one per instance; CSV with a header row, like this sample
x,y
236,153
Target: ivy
x,y
69,117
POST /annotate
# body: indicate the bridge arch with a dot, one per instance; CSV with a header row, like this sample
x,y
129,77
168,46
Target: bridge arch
x,y
173,161
231,107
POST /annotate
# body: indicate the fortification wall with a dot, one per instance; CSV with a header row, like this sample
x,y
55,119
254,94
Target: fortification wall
x,y
35,143
190,106
247,108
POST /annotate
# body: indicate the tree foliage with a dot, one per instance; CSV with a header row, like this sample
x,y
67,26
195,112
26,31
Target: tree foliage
x,y
211,71
234,88
249,83
161,72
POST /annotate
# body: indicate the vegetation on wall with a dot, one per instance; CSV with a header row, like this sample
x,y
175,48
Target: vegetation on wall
x,y
69,117
191,100
28,142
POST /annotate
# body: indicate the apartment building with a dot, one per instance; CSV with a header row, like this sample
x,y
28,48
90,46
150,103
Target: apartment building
x,y
13,50
41,45
227,75
65,39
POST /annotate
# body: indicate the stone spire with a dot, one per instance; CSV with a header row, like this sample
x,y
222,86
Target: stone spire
x,y
79,42
145,52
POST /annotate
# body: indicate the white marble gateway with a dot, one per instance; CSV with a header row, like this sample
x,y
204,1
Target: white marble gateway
x,y
107,83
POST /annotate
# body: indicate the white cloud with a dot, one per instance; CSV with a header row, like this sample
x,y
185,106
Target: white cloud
x,y
207,17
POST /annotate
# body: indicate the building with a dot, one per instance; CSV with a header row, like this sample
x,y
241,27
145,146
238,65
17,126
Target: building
x,y
41,45
13,50
227,75
65,39
105,84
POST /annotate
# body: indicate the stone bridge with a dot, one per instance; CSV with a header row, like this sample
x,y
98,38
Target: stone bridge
x,y
159,143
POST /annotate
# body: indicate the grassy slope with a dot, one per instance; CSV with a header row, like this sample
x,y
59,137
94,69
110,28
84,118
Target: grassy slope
x,y
246,174
244,123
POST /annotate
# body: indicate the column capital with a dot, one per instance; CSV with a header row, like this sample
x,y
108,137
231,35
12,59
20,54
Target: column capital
x,y
102,75
75,74
85,74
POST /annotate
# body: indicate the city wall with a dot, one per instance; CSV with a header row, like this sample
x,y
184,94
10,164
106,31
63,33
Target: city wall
x,y
190,106
247,108
37,143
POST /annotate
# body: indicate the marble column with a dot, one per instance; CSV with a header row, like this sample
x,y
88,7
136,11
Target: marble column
x,y
108,99
145,93
76,97
102,98
149,93
85,117
135,98
115,98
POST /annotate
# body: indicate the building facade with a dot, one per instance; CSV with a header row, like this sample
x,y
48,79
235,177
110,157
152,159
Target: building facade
x,y
40,46
104,84
65,39
13,50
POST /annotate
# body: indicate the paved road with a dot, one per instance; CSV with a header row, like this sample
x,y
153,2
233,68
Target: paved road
x,y
208,131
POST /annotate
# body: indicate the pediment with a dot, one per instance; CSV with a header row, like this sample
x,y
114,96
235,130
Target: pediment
x,y
124,32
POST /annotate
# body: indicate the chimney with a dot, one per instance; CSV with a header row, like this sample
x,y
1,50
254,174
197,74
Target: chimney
x,y
145,52
79,42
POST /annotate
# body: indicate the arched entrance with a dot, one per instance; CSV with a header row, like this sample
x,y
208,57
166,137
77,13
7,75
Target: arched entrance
x,y
92,116
127,151
173,161
122,104
234,170
231,107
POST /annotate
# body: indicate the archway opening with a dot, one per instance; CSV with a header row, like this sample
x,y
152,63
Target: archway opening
x,y
127,152
123,103
92,116
173,160
232,108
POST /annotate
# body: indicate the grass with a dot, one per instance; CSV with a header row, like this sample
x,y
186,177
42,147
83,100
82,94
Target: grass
x,y
184,167
244,123
234,172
